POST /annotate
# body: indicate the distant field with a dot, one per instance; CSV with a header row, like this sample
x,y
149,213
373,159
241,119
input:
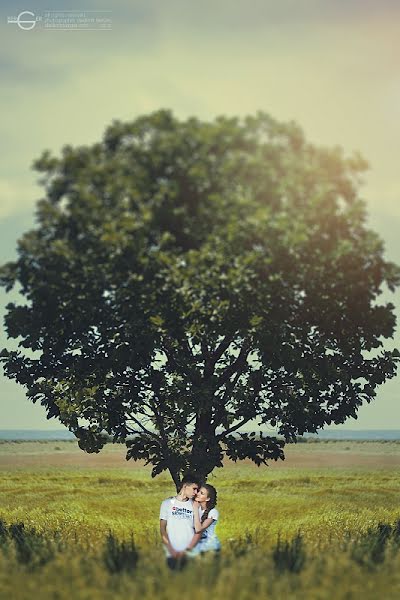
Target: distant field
x,y
312,454
331,492
331,483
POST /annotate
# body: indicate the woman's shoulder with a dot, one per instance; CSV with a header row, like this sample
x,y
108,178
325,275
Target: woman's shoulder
x,y
214,514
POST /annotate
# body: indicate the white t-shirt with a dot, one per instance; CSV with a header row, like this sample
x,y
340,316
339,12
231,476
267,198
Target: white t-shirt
x,y
180,522
209,540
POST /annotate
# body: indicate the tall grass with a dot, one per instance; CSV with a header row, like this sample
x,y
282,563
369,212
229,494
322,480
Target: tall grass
x,y
306,533
31,563
321,503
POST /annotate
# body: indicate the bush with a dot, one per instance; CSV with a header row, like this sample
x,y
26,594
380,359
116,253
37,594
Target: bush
x,y
396,535
4,537
32,548
290,556
3,530
369,549
241,545
120,556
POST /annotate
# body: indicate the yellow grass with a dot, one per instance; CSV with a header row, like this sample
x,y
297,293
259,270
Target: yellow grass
x,y
328,505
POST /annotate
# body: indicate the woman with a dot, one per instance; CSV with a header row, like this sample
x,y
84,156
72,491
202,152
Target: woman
x,y
205,520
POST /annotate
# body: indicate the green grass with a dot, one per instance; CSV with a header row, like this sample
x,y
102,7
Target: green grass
x,y
71,511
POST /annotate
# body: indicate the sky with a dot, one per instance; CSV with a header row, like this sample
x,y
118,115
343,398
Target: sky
x,y
333,66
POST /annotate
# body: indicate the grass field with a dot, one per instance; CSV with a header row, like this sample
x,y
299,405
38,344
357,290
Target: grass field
x,y
325,502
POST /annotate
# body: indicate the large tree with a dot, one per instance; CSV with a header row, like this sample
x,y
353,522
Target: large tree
x,y
187,278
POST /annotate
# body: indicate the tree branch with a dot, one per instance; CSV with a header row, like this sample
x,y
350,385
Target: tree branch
x,y
221,436
159,418
237,364
166,346
135,420
230,386
131,430
211,360
228,391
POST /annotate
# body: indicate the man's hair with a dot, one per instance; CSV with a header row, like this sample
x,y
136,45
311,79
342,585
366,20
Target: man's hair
x,y
190,478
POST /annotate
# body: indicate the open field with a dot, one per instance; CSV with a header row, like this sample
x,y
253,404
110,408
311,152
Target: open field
x,y
332,492
347,454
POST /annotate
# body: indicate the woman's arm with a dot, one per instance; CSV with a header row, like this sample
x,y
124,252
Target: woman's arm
x,y
204,525
194,541
198,525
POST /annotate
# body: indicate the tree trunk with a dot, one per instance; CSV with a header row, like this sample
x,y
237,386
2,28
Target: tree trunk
x,y
206,455
175,477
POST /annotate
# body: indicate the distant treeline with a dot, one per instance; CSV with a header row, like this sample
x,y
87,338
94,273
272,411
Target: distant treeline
x,y
299,440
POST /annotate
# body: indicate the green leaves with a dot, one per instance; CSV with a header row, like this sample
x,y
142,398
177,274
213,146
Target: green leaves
x,y
90,441
157,320
8,275
186,278
258,450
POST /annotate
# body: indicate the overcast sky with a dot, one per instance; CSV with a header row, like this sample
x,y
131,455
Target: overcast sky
x,y
331,65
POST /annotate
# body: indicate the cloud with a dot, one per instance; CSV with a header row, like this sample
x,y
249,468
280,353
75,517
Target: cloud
x,y
335,76
17,197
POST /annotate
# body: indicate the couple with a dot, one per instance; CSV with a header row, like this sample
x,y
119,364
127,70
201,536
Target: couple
x,y
188,521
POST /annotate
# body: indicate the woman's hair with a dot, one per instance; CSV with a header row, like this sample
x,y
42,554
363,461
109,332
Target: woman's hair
x,y
212,494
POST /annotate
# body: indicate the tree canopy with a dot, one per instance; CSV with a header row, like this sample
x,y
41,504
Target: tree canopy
x,y
186,278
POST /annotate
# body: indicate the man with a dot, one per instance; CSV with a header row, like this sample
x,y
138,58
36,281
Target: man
x,y
177,522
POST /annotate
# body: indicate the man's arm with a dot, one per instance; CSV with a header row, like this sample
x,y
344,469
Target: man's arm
x,y
165,538
197,534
